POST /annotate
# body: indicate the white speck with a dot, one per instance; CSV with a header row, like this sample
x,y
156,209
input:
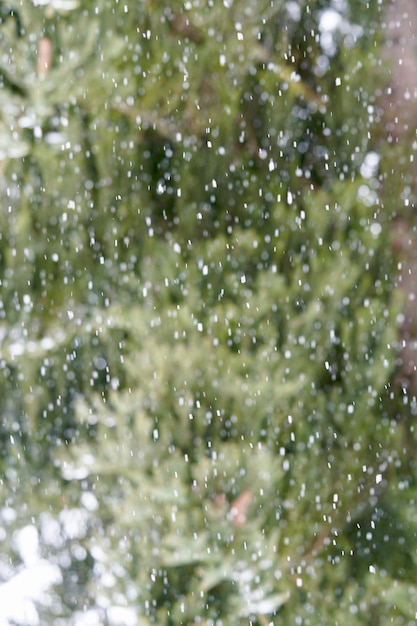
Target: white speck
x,y
100,363
376,229
74,522
222,60
177,248
74,473
243,279
330,20
338,81
54,138
378,478
289,197
47,343
89,501
370,165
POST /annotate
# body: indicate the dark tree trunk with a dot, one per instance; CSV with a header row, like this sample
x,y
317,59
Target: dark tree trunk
x,y
400,118
401,52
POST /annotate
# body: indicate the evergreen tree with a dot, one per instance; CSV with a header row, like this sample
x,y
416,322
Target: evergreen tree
x,y
199,323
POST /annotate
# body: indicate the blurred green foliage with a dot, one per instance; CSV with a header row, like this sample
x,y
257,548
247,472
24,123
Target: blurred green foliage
x,y
198,320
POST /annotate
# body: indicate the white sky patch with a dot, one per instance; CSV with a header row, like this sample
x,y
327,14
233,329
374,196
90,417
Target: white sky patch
x,y
294,10
332,22
58,5
121,616
29,586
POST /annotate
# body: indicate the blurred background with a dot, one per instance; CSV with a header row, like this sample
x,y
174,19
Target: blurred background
x,y
208,335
